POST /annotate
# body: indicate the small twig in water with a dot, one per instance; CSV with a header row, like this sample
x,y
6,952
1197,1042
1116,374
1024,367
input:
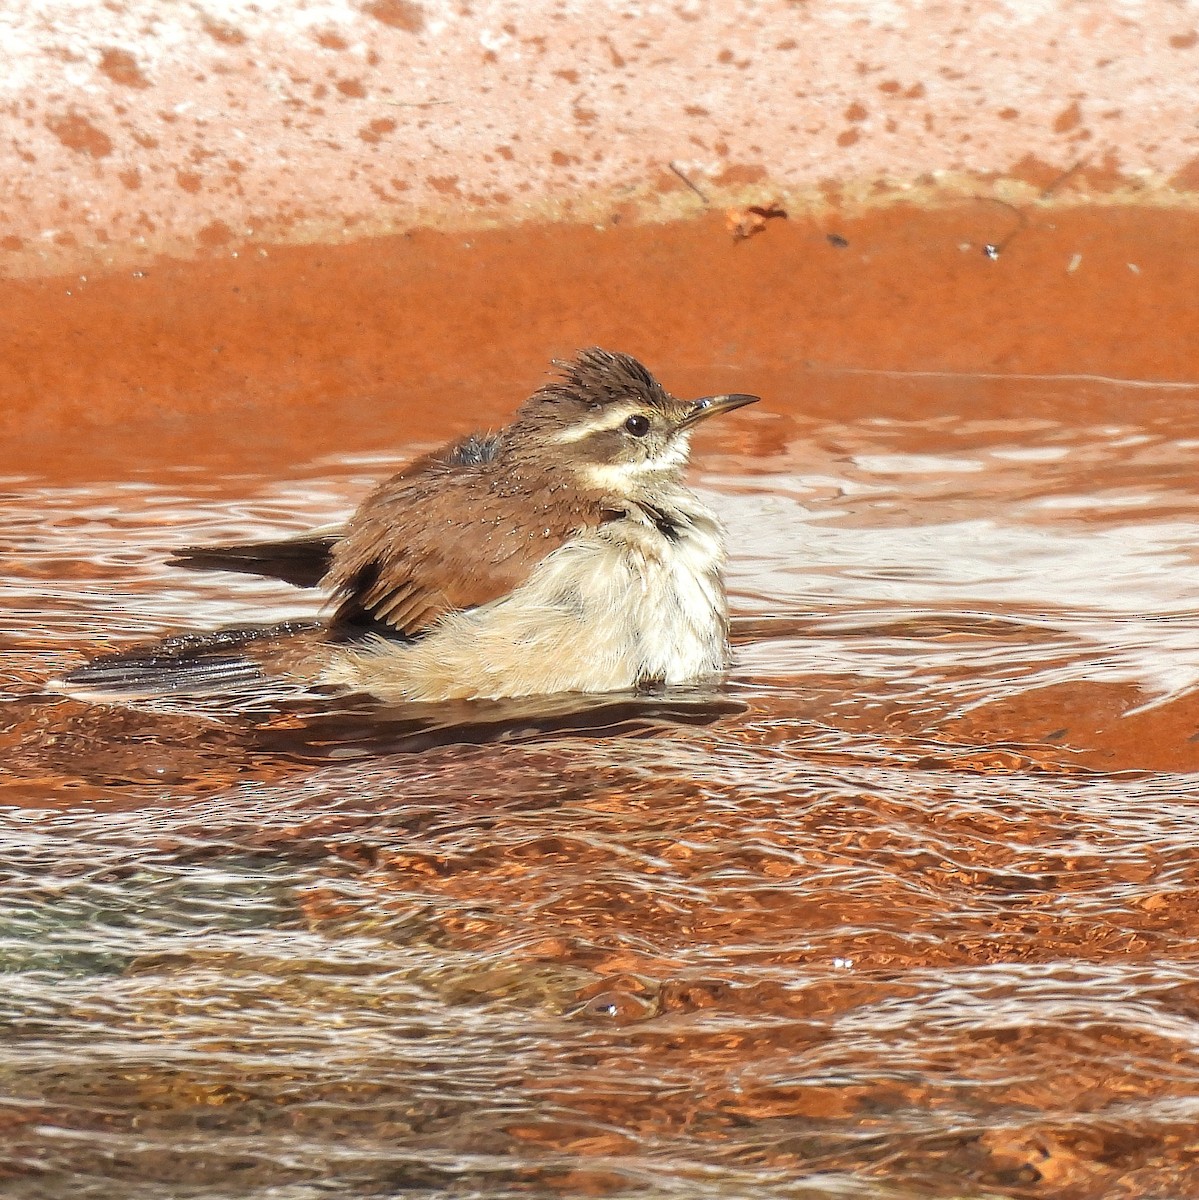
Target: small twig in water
x,y
994,249
678,171
1057,183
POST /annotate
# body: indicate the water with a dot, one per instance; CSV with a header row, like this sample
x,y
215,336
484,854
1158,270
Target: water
x,y
904,908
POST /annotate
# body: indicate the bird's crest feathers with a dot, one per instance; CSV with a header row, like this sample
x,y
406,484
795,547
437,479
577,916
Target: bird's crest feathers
x,y
596,377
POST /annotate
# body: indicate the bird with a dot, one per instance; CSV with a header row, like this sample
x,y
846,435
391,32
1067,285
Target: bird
x,y
562,553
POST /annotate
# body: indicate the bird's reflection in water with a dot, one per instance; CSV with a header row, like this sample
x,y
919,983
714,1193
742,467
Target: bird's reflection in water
x,y
358,727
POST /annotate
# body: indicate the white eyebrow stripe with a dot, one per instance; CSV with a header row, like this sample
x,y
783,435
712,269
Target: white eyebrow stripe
x,y
605,421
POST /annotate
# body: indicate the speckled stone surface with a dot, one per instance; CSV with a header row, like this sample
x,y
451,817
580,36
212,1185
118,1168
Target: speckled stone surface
x,y
137,126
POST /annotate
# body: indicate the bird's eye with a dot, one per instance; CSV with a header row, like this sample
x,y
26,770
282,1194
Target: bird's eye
x,y
637,425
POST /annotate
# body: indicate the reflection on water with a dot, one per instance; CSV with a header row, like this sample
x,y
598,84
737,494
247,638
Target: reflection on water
x,y
904,908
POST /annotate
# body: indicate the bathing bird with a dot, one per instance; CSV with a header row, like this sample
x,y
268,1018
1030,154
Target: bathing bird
x,y
563,553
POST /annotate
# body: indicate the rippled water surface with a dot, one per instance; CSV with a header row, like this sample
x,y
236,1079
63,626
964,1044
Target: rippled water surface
x,y
905,908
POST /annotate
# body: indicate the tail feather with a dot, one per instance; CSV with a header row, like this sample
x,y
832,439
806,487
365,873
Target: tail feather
x,y
192,664
162,677
302,562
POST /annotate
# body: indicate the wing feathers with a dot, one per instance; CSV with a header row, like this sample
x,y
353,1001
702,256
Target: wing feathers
x,y
433,542
455,529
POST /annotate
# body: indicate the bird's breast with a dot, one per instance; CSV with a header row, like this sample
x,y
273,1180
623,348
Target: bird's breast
x,y
640,598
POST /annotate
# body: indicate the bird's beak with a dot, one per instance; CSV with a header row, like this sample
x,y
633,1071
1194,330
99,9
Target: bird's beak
x,y
710,406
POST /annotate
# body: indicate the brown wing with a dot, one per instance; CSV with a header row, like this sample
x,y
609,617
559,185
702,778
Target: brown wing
x,y
446,534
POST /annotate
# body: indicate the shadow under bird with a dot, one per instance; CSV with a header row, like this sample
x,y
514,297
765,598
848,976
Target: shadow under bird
x,y
563,553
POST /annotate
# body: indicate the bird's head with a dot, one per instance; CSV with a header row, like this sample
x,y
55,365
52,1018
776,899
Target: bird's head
x,y
610,421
